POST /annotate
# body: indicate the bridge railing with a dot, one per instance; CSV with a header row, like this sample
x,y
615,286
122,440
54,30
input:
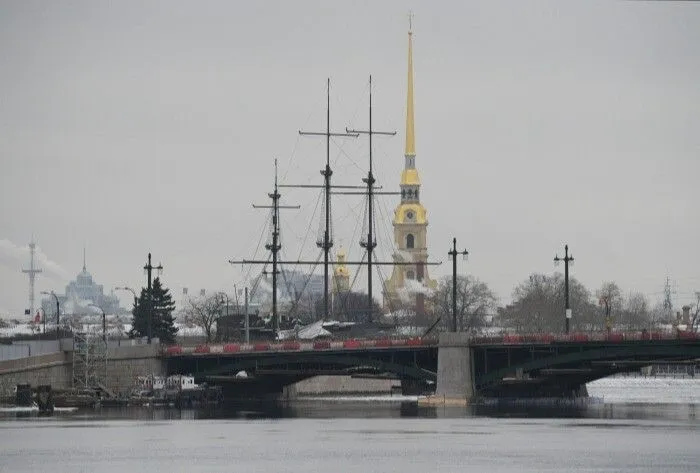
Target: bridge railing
x,y
298,345
545,338
389,343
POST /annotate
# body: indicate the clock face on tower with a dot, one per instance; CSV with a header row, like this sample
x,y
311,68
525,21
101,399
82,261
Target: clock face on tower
x,y
410,215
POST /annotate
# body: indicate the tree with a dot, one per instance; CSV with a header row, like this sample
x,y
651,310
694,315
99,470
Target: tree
x,y
538,306
475,301
635,314
351,306
694,319
204,312
162,307
610,299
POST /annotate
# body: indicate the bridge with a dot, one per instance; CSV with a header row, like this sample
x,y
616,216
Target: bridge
x,y
458,365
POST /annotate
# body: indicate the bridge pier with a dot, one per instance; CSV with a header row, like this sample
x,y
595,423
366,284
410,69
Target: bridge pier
x,y
455,379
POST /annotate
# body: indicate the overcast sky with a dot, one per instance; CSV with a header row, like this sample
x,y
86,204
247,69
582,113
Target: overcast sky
x,y
138,126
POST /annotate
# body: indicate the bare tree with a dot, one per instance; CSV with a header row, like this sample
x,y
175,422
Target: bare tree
x,y
694,319
610,299
350,306
538,306
636,313
475,301
203,311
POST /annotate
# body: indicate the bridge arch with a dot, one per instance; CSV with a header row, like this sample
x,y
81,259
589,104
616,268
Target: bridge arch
x,y
313,365
640,353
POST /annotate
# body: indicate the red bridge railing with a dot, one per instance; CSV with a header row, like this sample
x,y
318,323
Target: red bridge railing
x,y
388,343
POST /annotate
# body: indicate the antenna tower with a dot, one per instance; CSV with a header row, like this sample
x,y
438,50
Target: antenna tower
x,y
668,304
32,272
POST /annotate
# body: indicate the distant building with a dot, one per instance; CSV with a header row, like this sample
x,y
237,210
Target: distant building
x,y
295,285
79,294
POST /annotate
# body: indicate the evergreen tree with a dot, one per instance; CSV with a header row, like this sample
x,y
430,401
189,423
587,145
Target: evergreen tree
x,y
163,326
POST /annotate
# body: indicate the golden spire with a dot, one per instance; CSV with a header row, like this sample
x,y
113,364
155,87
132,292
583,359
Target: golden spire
x,y
410,132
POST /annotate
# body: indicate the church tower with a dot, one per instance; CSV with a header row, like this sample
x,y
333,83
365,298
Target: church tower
x,y
405,287
341,275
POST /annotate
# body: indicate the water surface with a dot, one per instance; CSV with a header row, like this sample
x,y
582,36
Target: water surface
x,y
612,433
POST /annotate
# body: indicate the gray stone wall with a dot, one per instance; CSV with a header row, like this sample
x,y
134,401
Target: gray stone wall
x,y
54,369
123,366
126,363
454,376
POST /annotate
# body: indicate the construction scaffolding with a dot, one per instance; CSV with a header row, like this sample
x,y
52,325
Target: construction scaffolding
x,y
89,361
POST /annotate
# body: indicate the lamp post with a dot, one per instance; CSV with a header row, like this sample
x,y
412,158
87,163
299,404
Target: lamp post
x,y
566,259
222,295
149,297
126,288
247,319
104,322
453,253
58,309
136,299
43,317
605,301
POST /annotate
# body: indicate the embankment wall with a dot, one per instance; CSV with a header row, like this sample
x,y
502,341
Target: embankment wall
x,y
54,369
124,364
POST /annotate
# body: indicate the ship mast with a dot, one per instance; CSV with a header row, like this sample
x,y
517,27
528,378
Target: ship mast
x,y
327,242
368,189
274,247
370,243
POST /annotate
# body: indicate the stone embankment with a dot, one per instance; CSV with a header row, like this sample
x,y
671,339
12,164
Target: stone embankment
x,y
124,364
54,369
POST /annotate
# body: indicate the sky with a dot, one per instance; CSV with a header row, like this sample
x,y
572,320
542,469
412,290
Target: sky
x,y
152,126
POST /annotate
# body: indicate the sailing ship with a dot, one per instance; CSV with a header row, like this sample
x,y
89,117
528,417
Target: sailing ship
x,y
409,261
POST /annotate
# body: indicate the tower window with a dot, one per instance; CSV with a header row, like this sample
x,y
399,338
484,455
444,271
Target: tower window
x,y
410,274
410,240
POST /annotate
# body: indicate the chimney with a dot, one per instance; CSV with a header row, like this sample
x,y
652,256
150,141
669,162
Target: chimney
x,y
686,314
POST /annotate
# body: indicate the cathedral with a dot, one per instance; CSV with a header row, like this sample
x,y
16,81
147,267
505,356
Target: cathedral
x,y
408,284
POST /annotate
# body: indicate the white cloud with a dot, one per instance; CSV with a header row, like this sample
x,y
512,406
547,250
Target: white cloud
x,y
17,257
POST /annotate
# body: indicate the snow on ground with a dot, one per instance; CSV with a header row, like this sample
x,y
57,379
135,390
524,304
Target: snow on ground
x,y
640,389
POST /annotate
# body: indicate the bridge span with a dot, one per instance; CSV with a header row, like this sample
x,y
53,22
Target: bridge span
x,y
458,365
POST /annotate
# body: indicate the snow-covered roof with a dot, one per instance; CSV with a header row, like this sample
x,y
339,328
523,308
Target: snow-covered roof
x,y
307,332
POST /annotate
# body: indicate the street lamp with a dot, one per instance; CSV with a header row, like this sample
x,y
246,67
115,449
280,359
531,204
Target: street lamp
x,y
453,253
223,294
126,288
566,259
104,322
58,309
149,297
43,316
605,301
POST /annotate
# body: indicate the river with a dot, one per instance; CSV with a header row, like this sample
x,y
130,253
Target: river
x,y
629,425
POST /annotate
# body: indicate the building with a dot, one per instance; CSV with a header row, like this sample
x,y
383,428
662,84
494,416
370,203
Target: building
x,y
341,275
294,285
80,293
409,283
